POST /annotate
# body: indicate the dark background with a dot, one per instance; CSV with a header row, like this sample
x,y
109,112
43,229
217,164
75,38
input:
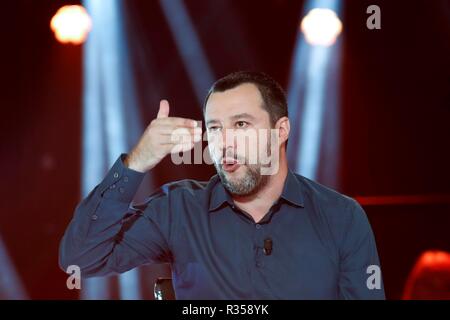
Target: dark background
x,y
395,104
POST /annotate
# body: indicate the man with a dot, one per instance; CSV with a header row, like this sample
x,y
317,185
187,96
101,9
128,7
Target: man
x,y
241,235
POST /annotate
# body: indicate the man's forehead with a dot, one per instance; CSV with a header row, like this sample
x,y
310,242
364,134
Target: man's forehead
x,y
244,98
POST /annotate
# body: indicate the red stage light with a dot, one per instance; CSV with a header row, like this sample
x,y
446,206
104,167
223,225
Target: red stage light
x,y
430,277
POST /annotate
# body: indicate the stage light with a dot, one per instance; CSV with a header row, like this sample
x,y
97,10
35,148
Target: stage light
x,y
189,46
111,122
429,278
71,24
321,27
313,94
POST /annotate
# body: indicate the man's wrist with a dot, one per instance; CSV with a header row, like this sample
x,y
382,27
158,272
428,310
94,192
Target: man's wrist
x,y
132,163
121,183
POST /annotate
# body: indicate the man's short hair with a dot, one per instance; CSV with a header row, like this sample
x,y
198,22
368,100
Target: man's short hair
x,y
272,93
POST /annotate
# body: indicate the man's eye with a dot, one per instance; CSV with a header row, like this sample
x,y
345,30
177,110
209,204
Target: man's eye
x,y
241,124
214,128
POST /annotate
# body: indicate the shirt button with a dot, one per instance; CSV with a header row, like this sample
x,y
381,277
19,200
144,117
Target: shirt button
x,y
113,186
258,226
116,175
259,264
125,179
94,217
121,189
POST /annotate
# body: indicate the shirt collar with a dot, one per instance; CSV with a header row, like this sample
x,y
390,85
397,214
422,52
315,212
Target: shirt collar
x,y
292,192
218,194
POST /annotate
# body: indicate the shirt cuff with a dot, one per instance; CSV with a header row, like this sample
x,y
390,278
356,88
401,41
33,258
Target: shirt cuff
x,y
121,183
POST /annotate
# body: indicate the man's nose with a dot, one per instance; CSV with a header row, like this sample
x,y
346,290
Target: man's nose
x,y
229,152
229,139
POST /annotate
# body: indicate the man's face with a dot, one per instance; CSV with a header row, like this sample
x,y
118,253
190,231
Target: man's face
x,y
238,134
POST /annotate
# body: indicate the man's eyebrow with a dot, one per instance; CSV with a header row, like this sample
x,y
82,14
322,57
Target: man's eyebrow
x,y
234,117
242,115
212,121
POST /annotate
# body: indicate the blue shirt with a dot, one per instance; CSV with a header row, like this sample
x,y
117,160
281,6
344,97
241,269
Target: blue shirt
x,y
321,241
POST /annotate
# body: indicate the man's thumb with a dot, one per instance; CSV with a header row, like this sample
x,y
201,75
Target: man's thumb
x,y
163,109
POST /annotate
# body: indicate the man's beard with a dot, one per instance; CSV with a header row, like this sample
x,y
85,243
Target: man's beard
x,y
253,180
250,184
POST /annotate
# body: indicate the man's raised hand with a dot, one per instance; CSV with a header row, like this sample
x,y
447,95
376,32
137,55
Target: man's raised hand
x,y
163,136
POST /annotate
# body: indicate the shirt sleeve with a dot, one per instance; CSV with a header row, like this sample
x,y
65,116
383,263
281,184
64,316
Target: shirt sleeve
x,y
106,235
360,271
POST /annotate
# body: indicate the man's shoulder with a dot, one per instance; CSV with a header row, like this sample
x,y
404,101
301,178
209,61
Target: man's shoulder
x,y
315,189
330,201
340,211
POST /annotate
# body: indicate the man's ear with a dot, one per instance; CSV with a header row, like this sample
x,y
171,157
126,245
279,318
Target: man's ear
x,y
283,125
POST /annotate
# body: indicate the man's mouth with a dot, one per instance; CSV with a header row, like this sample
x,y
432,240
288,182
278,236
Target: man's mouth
x,y
230,164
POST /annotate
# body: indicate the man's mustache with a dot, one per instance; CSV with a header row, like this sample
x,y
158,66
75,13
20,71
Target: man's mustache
x,y
230,156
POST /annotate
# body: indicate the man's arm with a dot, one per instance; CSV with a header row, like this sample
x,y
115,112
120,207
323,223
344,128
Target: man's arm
x,y
360,272
107,235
